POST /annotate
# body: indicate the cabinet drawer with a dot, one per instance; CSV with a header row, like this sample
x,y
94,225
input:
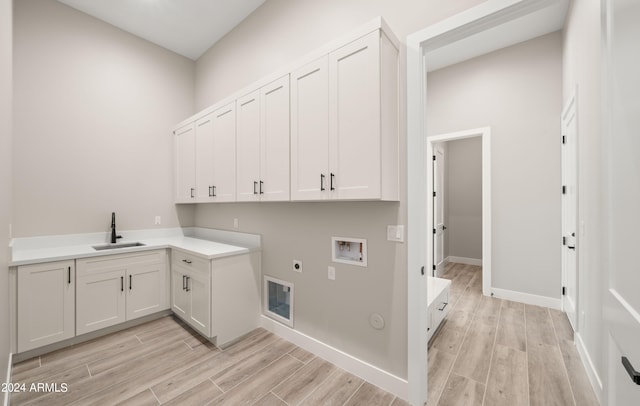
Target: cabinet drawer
x,y
189,261
108,263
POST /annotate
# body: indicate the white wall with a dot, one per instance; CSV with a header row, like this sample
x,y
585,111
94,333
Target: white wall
x,y
337,313
281,31
517,91
94,107
5,178
464,198
581,69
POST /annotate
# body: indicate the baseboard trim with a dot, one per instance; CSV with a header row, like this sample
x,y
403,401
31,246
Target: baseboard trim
x,y
527,298
594,379
463,260
349,363
9,371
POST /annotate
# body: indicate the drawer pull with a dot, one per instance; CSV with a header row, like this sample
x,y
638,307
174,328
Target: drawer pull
x,y
635,375
186,261
443,306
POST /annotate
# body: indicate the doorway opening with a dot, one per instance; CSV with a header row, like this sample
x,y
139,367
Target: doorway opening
x,y
435,256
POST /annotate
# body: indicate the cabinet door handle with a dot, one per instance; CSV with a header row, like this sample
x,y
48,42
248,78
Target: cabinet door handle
x,y
322,182
130,282
214,191
210,191
184,283
635,375
332,176
261,183
192,192
122,284
255,184
69,276
188,289
443,306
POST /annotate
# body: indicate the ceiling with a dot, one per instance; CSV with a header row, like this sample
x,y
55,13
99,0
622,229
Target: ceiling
x,y
187,27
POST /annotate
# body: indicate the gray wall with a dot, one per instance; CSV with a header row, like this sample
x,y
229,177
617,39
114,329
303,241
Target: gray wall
x,y
280,31
581,69
337,313
517,92
93,111
5,178
464,198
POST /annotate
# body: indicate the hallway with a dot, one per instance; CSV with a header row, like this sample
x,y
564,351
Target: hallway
x,y
494,352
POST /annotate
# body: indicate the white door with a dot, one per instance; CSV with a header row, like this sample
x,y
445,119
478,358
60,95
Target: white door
x,y
185,164
569,211
274,141
146,290
100,301
438,211
354,120
204,158
199,291
46,304
248,144
224,154
310,131
622,143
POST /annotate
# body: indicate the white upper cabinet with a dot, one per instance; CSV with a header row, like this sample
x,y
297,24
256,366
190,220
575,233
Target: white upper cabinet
x,y
185,164
344,132
310,131
263,143
327,130
215,155
248,143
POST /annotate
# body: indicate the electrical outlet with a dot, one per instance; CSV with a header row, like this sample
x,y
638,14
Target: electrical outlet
x,y
331,273
157,221
235,223
297,265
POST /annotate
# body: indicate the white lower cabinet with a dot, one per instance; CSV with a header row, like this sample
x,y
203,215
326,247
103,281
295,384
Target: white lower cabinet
x,y
219,298
115,288
46,304
437,303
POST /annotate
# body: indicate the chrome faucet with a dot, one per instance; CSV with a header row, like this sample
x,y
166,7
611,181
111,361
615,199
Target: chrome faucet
x,y
114,235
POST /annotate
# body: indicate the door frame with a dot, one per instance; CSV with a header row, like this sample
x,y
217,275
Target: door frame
x,y
570,108
485,134
483,17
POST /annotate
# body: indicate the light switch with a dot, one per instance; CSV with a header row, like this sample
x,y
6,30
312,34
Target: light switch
x,y
395,233
331,273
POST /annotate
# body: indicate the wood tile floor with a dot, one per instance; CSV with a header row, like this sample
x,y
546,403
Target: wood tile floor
x,y
493,352
164,362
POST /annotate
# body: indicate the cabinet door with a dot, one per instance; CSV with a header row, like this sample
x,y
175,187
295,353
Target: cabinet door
x,y
204,151
185,165
224,154
248,141
179,294
354,119
146,290
274,141
310,131
46,304
199,291
100,300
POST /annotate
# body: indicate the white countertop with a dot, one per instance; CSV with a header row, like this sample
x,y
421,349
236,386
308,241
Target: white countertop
x,y
199,242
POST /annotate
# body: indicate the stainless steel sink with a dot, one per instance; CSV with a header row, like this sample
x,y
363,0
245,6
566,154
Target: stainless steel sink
x,y
117,246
